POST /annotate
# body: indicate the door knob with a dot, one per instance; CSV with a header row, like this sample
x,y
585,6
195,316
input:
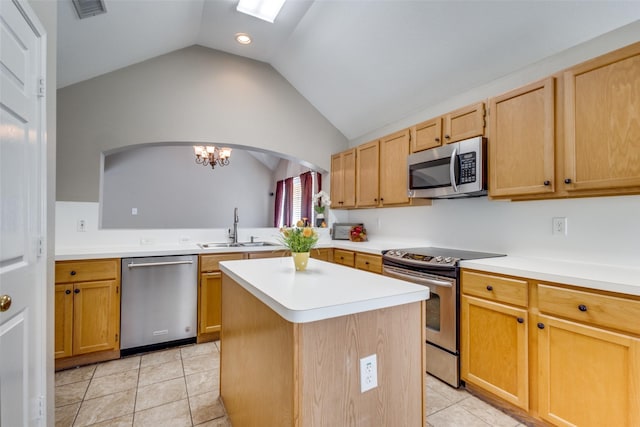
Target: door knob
x,y
5,302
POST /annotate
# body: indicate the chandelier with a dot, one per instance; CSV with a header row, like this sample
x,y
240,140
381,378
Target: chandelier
x,y
210,155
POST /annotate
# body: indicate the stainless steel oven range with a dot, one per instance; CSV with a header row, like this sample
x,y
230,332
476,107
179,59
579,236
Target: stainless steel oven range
x,y
437,268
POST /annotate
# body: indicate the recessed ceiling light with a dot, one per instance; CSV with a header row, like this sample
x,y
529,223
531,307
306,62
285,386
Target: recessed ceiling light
x,y
267,10
243,38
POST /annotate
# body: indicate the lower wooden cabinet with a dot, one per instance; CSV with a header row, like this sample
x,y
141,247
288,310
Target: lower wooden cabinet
x,y
587,376
87,311
494,349
323,254
344,257
368,262
571,358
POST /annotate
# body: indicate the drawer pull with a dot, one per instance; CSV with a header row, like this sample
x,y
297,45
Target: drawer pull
x,y
540,325
582,307
489,287
76,291
520,320
547,182
73,273
67,292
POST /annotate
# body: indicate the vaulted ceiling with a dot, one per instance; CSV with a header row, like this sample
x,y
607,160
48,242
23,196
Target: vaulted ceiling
x,y
361,63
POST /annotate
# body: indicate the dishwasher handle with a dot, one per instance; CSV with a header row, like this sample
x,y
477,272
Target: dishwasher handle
x,y
155,264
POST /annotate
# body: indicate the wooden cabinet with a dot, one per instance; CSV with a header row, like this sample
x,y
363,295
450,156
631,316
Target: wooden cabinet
x,y
343,179
463,123
571,358
323,254
344,257
494,336
209,294
602,122
268,254
87,311
588,348
522,141
394,150
368,262
368,174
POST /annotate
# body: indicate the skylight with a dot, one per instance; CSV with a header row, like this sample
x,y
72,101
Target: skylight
x,y
267,10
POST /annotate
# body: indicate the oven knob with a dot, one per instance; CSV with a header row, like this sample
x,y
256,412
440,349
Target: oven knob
x,y
439,259
448,259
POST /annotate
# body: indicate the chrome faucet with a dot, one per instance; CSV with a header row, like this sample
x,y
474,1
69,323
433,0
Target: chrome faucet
x,y
235,225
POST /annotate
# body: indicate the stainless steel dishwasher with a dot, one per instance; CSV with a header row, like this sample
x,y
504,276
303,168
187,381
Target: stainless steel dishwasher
x,y
159,302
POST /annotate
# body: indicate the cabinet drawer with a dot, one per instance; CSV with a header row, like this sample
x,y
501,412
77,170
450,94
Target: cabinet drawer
x,y
367,262
602,310
212,262
83,271
495,288
344,257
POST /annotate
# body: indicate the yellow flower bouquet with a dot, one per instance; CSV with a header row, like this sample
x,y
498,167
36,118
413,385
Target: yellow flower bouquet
x,y
298,238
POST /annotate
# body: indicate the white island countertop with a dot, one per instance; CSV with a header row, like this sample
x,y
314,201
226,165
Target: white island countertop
x,y
323,291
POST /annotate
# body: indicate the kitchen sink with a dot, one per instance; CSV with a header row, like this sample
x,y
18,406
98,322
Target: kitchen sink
x,y
234,245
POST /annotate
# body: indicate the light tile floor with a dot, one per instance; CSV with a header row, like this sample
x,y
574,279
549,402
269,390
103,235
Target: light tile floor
x,y
180,387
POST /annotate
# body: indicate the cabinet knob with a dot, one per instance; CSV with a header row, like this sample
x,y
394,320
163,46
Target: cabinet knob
x,y
567,181
375,200
582,307
489,287
447,137
540,325
366,262
73,273
547,183
76,291
5,303
67,292
437,139
520,320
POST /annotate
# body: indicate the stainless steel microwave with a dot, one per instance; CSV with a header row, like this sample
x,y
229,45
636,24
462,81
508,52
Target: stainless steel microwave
x,y
452,171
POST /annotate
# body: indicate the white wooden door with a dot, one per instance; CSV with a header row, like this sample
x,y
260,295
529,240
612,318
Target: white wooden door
x,y
22,214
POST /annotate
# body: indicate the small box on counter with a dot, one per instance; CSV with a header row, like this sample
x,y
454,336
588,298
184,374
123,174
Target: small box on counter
x,y
342,231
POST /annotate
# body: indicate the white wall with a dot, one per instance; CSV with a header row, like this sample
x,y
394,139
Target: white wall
x,y
169,190
194,94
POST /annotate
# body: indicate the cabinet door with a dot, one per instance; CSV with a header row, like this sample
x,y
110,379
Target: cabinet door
x,y
344,257
367,174
269,254
349,178
323,254
427,135
63,320
494,349
337,181
602,122
96,310
368,262
464,123
394,150
587,376
522,140
210,302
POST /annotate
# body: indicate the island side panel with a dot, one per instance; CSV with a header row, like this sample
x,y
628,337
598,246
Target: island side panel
x,y
257,360
329,356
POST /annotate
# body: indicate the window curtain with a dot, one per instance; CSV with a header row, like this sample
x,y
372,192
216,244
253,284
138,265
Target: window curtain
x,y
306,188
277,211
319,181
288,201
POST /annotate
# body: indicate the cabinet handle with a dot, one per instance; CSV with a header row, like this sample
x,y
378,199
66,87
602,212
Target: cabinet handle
x,y
366,262
582,307
76,291
67,292
73,273
437,139
567,181
382,199
375,200
547,183
489,287
540,325
447,137
520,320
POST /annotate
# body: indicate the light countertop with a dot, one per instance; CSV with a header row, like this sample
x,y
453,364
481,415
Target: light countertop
x,y
611,278
323,291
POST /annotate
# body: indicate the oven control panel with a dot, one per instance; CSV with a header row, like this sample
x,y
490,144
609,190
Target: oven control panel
x,y
420,259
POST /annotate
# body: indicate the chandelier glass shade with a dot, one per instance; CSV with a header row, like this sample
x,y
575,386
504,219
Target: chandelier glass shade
x,y
210,155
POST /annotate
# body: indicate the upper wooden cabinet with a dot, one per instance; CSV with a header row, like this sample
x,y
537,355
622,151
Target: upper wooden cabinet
x,y
602,122
394,150
522,140
457,125
343,179
368,174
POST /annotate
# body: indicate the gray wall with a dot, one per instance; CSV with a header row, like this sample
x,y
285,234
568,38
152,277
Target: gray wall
x,y
194,94
170,190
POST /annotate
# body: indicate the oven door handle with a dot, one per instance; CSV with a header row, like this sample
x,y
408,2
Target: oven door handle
x,y
419,280
452,169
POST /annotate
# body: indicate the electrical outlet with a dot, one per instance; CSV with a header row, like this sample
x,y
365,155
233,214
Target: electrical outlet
x,y
82,225
368,373
559,225
134,211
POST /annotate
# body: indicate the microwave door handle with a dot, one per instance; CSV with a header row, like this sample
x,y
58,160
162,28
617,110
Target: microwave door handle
x,y
452,169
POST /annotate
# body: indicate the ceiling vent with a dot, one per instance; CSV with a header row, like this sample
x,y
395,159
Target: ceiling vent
x,y
89,8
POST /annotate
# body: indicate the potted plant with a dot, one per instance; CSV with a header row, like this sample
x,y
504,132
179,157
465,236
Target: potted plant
x,y
299,239
321,201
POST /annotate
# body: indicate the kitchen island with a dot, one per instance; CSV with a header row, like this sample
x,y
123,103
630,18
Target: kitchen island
x,y
291,345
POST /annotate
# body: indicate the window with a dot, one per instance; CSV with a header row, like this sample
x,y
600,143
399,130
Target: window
x,y
296,197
